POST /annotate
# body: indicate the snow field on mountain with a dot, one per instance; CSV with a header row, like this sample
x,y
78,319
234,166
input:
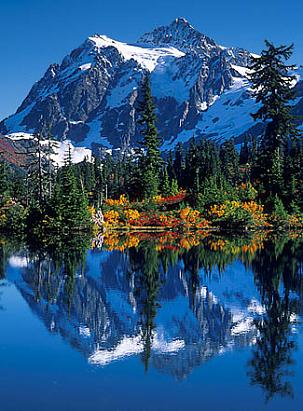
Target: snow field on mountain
x,y
60,149
146,57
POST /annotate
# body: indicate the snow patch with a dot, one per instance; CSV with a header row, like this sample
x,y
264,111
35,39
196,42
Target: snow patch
x,y
60,149
86,66
20,136
78,154
229,116
147,58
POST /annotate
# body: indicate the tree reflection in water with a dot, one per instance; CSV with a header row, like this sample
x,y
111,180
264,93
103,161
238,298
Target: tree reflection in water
x,y
278,276
150,265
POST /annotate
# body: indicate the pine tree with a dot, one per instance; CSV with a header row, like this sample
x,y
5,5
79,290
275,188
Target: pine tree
x,y
244,152
70,201
153,160
230,162
166,189
191,171
179,164
170,165
5,184
272,85
174,187
276,172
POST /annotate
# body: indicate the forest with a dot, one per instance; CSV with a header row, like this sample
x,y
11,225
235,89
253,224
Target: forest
x,y
253,184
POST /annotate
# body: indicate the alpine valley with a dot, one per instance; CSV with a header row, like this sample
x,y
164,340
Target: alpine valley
x,y
200,88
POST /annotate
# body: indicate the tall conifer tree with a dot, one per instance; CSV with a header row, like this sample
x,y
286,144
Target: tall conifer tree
x,y
272,85
152,161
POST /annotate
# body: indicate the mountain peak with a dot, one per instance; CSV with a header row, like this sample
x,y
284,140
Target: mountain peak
x,y
181,20
179,34
91,97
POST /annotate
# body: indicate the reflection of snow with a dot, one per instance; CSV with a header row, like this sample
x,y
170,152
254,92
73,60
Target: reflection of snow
x,y
84,331
256,308
243,326
167,347
17,261
129,346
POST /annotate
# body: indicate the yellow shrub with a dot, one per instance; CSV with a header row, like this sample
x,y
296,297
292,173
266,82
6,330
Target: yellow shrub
x,y
122,201
111,217
132,214
189,216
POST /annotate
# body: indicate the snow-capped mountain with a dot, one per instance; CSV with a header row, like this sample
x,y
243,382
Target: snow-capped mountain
x,y
91,98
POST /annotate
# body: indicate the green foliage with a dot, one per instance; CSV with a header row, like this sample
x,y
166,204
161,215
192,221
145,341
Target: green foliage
x,y
268,170
165,183
70,202
279,213
152,161
215,190
246,192
230,162
272,84
235,218
13,217
5,184
295,209
174,187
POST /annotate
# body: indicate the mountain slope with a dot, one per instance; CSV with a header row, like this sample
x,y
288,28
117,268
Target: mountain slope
x,y
91,98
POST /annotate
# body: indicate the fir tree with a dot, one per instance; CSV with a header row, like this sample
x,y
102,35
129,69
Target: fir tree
x,y
174,187
70,201
230,162
179,164
152,160
5,184
166,189
244,152
272,85
191,171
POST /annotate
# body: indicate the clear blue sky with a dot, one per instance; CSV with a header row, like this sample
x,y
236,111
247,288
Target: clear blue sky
x,y
36,33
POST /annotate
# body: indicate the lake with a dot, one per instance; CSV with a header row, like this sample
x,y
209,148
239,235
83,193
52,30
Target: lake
x,y
152,322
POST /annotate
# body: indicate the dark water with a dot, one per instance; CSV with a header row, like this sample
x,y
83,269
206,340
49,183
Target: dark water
x,y
151,323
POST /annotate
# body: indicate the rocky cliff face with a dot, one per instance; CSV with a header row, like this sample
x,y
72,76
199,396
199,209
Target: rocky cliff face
x,y
91,98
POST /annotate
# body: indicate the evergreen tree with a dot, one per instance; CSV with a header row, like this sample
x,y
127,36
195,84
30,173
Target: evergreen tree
x,y
166,189
5,184
170,165
272,85
244,152
191,178
276,172
70,201
179,164
292,174
230,162
153,160
174,187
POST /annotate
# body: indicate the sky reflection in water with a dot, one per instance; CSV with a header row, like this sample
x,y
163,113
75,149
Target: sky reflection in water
x,y
182,321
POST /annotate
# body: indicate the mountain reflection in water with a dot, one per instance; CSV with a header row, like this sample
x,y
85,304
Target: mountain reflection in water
x,y
174,301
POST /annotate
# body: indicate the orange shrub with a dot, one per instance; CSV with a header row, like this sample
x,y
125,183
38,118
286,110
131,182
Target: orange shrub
x,y
111,217
121,201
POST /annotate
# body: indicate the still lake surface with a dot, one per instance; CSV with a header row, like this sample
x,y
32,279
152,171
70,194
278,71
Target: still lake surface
x,y
151,323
